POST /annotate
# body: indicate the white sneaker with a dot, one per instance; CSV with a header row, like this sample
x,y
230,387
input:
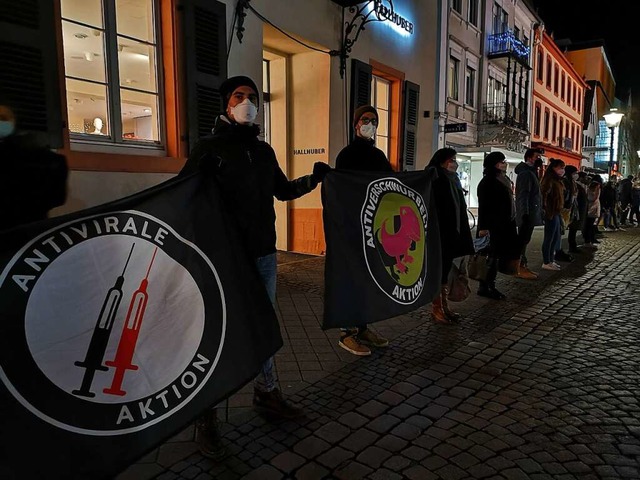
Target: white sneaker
x,y
557,265
622,229
609,229
550,266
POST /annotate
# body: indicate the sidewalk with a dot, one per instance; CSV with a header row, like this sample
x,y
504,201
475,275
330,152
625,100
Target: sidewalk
x,y
523,388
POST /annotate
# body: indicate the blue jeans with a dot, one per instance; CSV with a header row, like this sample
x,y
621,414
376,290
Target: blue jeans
x,y
551,238
266,381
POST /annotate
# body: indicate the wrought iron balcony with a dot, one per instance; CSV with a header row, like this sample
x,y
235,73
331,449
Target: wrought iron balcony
x,y
506,44
505,114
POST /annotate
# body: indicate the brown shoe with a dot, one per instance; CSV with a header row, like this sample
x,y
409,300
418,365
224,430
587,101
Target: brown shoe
x,y
525,273
450,314
273,403
352,345
208,436
437,312
372,339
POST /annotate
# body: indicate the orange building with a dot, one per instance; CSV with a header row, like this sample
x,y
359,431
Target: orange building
x,y
558,103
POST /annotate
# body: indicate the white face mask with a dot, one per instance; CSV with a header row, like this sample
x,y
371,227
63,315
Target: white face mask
x,y
244,113
575,176
368,131
6,128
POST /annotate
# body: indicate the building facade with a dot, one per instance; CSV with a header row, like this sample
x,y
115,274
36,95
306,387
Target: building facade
x,y
590,61
487,89
558,103
124,88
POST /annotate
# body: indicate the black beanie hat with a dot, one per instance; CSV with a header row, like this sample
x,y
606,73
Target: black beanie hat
x,y
230,85
492,159
570,170
362,110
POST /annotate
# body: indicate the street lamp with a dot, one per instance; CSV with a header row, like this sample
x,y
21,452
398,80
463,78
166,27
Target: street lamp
x,y
612,119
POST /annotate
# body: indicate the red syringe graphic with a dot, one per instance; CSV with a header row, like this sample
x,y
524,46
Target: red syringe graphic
x,y
100,337
129,337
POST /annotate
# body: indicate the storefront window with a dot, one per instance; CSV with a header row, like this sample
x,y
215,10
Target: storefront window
x,y
111,68
381,100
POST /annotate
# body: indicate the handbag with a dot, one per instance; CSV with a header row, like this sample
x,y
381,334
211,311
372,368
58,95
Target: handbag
x,y
478,266
459,288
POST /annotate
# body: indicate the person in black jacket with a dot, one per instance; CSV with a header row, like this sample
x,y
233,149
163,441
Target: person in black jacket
x,y
624,194
455,234
496,218
362,155
34,178
248,175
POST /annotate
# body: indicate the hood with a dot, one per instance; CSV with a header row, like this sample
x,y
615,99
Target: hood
x,y
523,166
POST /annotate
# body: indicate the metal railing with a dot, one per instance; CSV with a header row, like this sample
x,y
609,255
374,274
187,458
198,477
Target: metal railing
x,y
505,114
506,43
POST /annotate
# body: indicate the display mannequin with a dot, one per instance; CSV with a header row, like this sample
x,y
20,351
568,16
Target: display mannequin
x,y
97,124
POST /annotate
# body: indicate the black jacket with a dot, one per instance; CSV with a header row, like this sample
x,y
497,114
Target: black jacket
x,y
453,241
624,189
248,174
494,214
361,154
528,198
33,181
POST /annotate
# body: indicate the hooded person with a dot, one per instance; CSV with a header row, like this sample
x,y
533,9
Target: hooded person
x,y
496,218
248,175
528,206
363,156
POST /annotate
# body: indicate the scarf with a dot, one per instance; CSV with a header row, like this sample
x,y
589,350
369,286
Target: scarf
x,y
456,189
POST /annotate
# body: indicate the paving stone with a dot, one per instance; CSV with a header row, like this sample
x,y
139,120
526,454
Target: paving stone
x,y
353,471
418,472
359,440
310,447
332,432
391,443
383,423
372,409
288,461
334,457
397,463
353,420
373,456
311,471
265,472
406,431
384,474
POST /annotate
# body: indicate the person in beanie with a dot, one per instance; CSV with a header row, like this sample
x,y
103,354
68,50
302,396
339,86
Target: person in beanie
x,y
553,194
528,206
34,178
496,218
248,175
362,155
455,234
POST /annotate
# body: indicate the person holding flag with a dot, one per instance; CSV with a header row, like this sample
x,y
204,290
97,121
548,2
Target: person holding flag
x,y
248,175
455,234
362,155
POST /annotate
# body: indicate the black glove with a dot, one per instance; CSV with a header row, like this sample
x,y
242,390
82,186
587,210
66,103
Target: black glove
x,y
320,170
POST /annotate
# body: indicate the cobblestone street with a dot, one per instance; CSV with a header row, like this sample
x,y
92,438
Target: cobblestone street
x,y
543,385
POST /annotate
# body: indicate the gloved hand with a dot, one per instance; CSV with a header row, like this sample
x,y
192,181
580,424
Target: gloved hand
x,y
320,170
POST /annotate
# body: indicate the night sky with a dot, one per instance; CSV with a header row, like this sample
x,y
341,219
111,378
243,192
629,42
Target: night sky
x,y
613,21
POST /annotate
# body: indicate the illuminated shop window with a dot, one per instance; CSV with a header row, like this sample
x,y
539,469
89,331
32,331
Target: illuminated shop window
x,y
381,100
112,70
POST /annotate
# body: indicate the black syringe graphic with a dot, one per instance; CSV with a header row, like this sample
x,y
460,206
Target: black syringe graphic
x,y
100,336
129,337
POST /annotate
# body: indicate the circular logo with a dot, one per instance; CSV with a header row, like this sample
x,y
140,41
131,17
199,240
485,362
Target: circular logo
x,y
393,227
114,322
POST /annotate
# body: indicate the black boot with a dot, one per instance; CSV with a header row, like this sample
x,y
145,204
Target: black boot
x,y
488,286
273,403
208,436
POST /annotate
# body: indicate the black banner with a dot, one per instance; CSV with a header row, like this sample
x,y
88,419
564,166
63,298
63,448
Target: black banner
x,y
383,246
120,325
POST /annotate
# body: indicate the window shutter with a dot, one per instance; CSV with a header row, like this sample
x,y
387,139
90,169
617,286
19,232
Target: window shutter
x,y
361,75
410,130
206,64
29,81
